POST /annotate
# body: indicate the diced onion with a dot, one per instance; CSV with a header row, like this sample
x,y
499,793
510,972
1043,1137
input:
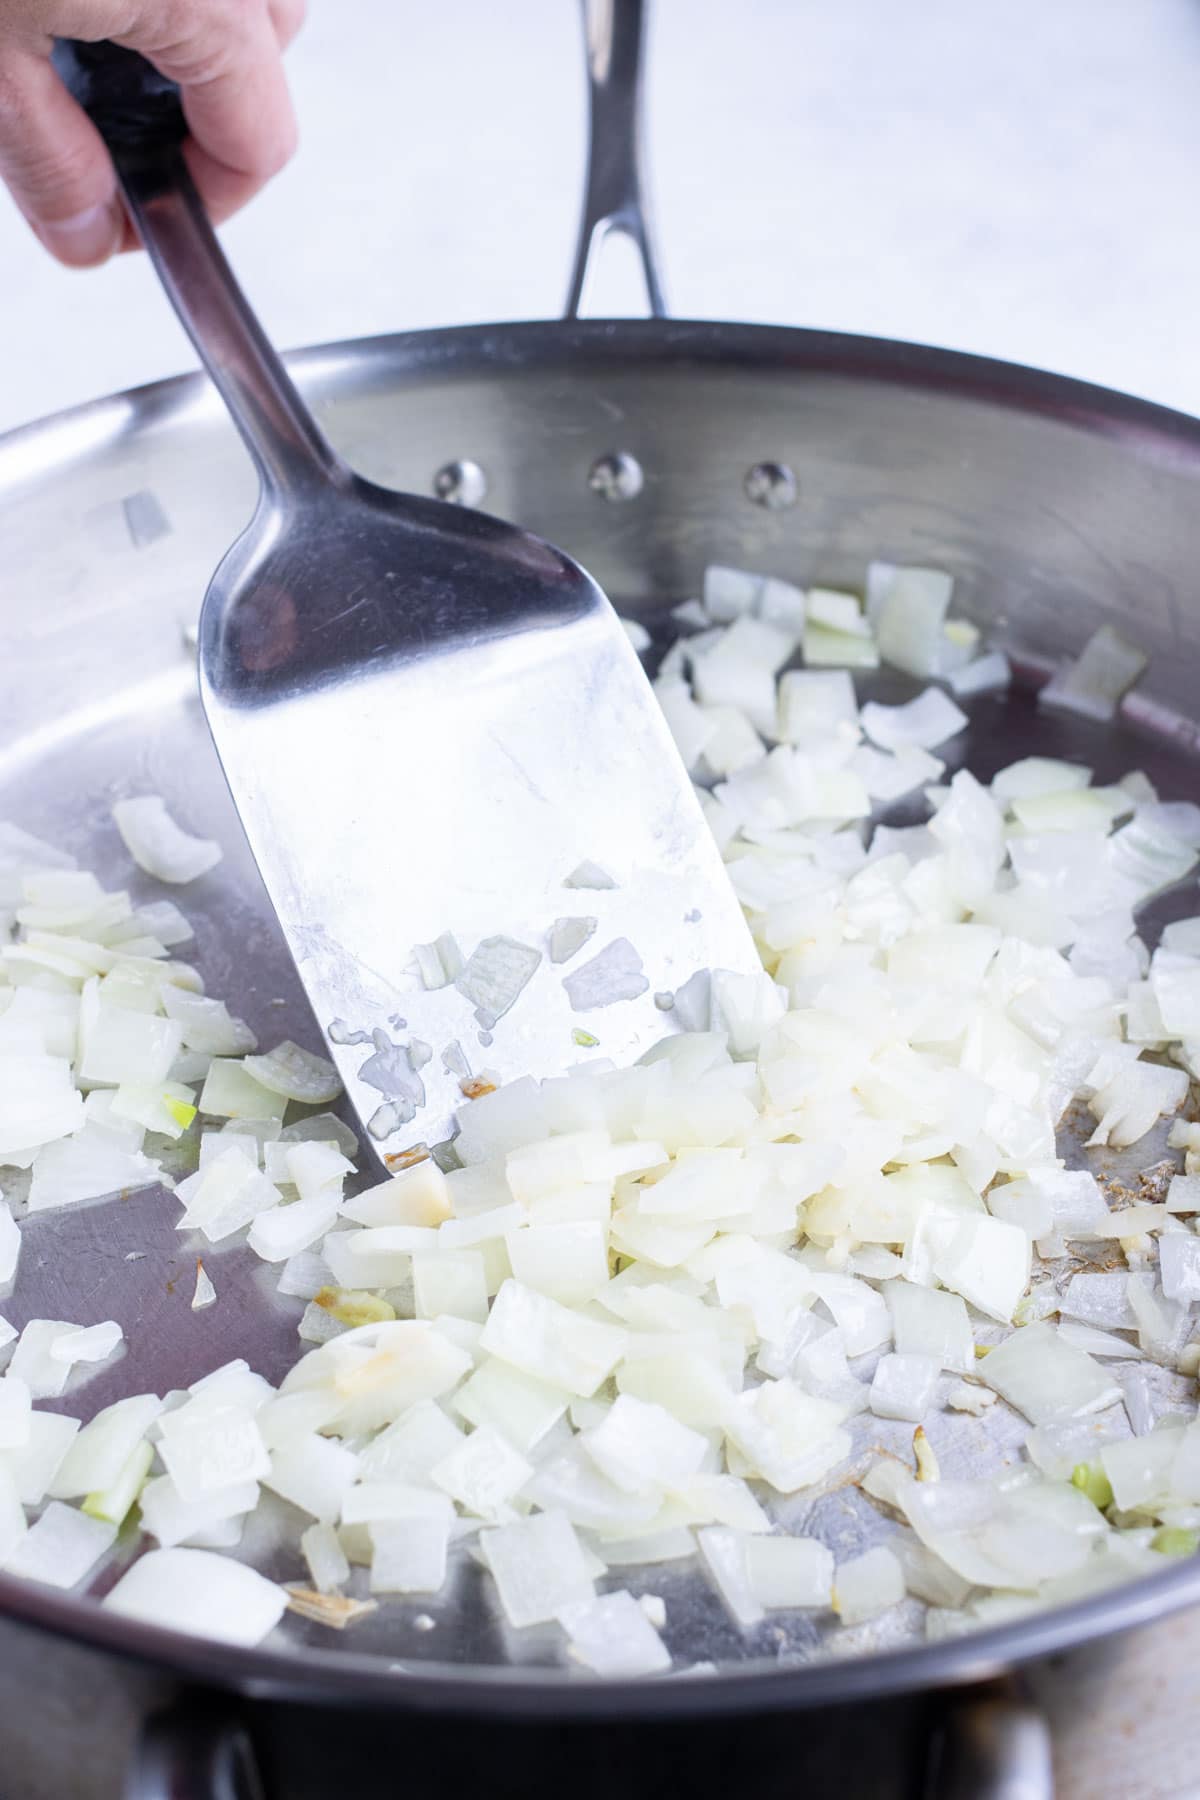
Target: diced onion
x,y
619,1321
158,845
197,1591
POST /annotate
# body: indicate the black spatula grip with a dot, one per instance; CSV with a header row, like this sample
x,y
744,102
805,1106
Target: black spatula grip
x,y
136,110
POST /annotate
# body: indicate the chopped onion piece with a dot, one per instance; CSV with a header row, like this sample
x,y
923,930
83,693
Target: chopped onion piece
x,y
207,1025
827,648
867,1585
211,1444
568,937
987,1262
16,1409
908,608
923,723
814,705
589,875
296,1074
61,1547
538,1567
87,1345
198,1592
158,845
729,593
94,1459
986,674
1106,668
616,973
639,1446
613,1636
327,1564
927,1322
410,1557
903,1387
724,1554
786,1572
225,1196
483,1473
230,1092
549,1341
204,1293
494,975
1046,1377
86,1166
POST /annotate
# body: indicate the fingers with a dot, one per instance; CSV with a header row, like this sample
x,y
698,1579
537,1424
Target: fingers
x,y
287,16
54,163
226,57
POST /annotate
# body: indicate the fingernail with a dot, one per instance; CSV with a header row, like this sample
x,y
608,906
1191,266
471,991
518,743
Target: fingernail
x,y
90,237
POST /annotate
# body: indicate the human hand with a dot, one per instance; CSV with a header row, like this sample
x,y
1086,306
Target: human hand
x,y
226,56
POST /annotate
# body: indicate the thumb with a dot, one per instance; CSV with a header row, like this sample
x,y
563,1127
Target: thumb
x,y
54,161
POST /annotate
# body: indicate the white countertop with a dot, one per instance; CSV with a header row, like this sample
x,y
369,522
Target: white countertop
x,y
1009,176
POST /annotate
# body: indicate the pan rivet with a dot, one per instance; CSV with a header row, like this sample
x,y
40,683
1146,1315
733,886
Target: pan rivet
x,y
462,482
772,485
617,476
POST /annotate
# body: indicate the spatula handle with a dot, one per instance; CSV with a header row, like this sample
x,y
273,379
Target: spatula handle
x,y
136,110
139,115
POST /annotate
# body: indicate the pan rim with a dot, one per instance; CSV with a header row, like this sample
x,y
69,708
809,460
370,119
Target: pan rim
x,y
1154,429
339,1679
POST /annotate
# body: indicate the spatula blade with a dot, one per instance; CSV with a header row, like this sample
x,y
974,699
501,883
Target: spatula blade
x,y
468,793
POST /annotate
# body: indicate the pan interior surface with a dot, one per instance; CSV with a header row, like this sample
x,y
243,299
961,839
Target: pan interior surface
x,y
648,452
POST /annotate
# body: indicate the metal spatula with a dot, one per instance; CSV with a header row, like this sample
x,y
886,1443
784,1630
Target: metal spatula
x,y
434,728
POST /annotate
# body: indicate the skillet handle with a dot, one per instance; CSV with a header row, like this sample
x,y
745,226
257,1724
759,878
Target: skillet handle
x,y
990,1744
614,201
193,1750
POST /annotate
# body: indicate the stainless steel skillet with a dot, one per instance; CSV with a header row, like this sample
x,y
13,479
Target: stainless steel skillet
x,y
648,449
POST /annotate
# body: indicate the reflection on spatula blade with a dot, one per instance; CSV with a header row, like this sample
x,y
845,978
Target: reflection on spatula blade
x,y
434,723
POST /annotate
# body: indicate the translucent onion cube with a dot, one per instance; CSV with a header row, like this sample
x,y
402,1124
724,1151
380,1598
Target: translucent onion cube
x,y
328,1565
211,1444
450,1281
1179,1266
1047,1378
518,1405
483,1473
538,1566
789,1571
416,1196
408,1450
315,1474
986,1261
723,1553
277,1233
567,1261
61,1547
32,1362
639,1445
790,1438
199,1592
931,1322
611,1635
409,1557
16,1410
167,1516
34,1466
868,1585
551,1342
